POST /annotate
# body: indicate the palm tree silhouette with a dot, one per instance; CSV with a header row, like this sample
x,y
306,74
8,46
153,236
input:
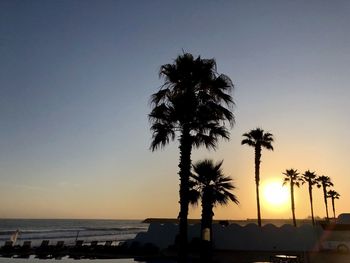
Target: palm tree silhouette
x,y
193,105
333,195
325,182
214,189
292,177
258,139
310,178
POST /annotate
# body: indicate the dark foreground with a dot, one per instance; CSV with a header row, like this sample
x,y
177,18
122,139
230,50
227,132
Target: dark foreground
x,y
150,253
264,256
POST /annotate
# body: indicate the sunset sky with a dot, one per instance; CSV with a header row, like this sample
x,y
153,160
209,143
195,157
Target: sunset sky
x,y
76,78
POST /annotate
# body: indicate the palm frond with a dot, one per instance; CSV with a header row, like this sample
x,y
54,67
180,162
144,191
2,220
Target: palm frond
x,y
267,145
248,142
333,194
258,137
213,182
162,135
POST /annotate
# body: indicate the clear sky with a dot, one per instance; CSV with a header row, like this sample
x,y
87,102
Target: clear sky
x,y
76,78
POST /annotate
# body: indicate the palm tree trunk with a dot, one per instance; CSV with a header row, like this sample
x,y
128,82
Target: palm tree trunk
x,y
292,199
184,173
206,229
325,200
257,180
333,208
312,206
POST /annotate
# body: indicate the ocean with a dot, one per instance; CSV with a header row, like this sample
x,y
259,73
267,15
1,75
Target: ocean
x,y
69,230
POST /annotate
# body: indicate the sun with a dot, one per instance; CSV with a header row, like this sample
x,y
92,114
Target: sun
x,y
275,195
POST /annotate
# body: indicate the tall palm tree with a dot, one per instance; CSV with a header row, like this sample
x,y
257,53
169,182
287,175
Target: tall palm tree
x,y
333,195
310,178
214,189
193,105
258,139
292,177
325,181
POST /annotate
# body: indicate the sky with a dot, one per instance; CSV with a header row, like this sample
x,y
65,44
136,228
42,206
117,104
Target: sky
x,y
76,78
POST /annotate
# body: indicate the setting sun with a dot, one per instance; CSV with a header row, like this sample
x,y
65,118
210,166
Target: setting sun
x,y
275,194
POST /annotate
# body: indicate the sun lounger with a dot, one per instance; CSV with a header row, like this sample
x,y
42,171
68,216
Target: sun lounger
x,y
78,250
79,243
25,250
8,249
8,243
45,243
43,251
27,244
58,250
60,244
93,244
108,243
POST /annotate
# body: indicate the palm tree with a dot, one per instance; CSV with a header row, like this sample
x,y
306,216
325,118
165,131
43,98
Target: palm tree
x,y
292,177
258,139
310,178
192,105
333,195
214,189
325,182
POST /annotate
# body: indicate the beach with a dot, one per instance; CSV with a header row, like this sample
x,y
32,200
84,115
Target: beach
x,y
69,230
122,230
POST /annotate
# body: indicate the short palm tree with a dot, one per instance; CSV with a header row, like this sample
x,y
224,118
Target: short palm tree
x,y
292,177
310,178
214,189
193,105
325,181
333,195
258,139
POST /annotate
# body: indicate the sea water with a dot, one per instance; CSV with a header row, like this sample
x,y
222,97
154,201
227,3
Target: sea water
x,y
69,230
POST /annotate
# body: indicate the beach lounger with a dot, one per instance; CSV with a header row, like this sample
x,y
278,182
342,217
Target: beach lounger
x,y
77,251
60,244
105,248
58,250
93,244
7,250
45,243
27,244
43,251
79,243
108,243
25,250
8,243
